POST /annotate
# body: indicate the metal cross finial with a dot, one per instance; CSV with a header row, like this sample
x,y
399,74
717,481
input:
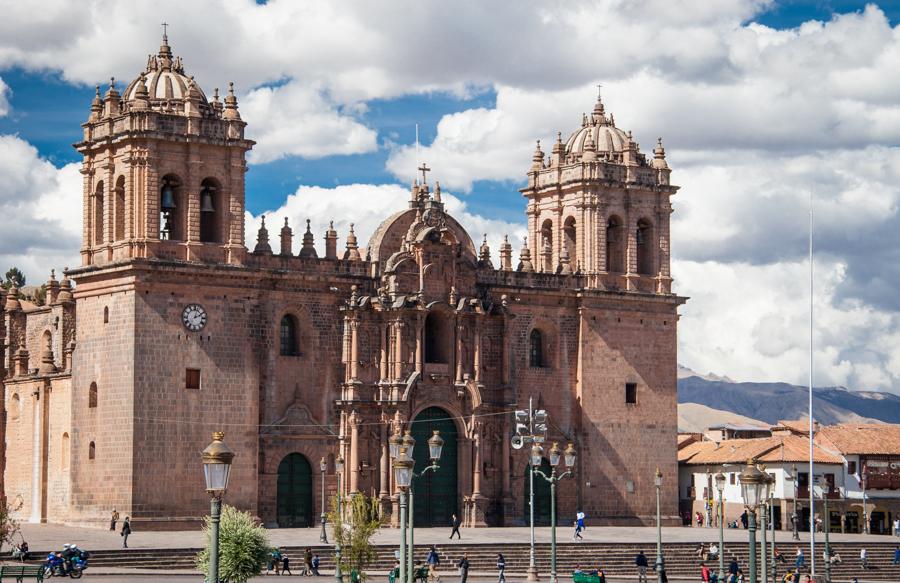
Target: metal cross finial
x,y
165,26
599,89
423,169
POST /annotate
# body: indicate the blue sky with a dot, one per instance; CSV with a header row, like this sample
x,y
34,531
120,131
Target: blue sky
x,y
758,104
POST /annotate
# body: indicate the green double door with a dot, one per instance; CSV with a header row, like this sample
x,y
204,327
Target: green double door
x,y
436,493
541,496
295,492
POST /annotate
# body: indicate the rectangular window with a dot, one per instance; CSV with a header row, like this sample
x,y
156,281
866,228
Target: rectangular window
x,y
631,393
731,479
851,467
192,378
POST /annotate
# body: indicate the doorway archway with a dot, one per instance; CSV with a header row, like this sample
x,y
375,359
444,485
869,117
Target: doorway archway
x,y
436,493
295,492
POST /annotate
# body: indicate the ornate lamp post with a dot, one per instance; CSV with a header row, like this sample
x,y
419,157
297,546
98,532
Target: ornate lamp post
x,y
795,518
339,472
826,526
569,455
435,446
660,563
217,459
403,471
752,488
323,536
772,526
763,516
720,486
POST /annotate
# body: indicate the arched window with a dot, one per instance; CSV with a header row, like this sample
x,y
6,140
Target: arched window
x,y
15,407
47,341
106,314
119,222
64,452
171,209
437,338
615,245
92,396
92,451
98,214
570,241
536,349
645,246
546,243
210,218
288,336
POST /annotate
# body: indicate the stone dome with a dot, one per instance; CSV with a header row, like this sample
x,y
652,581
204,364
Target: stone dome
x,y
164,79
599,130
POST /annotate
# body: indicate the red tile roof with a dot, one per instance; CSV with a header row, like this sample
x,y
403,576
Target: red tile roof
x,y
861,438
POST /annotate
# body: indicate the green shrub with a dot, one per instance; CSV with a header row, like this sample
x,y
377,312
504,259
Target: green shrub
x,y
243,547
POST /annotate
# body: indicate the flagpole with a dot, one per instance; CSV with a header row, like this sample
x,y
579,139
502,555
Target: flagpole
x,y
811,480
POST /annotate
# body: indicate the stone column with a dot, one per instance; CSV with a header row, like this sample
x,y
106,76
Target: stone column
x,y
354,452
398,350
384,464
460,331
354,350
477,353
476,465
384,337
602,220
37,447
420,359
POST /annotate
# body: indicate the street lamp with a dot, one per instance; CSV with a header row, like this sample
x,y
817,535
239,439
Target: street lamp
x,y
826,525
323,536
795,518
720,486
537,452
752,489
763,516
403,470
569,456
339,472
660,563
435,446
217,459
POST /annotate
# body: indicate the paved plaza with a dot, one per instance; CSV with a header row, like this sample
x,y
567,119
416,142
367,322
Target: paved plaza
x,y
46,536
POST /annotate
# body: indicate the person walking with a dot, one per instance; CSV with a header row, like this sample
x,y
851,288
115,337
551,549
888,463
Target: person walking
x,y
285,565
640,562
501,568
577,534
864,558
126,530
463,565
733,567
113,520
315,564
745,519
800,562
307,562
433,561
704,573
454,523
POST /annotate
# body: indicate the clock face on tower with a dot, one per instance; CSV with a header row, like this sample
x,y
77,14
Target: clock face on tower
x,y
193,317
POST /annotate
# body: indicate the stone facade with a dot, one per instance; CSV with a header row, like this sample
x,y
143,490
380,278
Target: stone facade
x,y
329,354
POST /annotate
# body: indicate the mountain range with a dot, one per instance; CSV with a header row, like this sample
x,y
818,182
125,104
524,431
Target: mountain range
x,y
770,402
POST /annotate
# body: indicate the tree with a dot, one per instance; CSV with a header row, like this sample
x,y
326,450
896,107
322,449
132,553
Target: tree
x,y
362,520
9,526
243,546
14,276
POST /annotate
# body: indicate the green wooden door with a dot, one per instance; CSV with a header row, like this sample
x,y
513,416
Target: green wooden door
x,y
295,494
436,493
541,496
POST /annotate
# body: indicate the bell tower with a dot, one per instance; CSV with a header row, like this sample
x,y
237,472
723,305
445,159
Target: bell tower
x,y
163,170
599,207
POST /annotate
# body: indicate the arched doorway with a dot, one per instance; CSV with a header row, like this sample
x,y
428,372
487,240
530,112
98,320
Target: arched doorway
x,y
295,492
541,496
436,493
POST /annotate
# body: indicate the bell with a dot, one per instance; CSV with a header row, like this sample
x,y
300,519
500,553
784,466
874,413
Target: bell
x,y
168,198
206,204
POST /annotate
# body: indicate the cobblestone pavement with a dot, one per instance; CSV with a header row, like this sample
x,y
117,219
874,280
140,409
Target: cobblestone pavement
x,y
47,536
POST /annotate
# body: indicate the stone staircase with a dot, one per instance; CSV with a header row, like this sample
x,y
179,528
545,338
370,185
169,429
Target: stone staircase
x,y
616,559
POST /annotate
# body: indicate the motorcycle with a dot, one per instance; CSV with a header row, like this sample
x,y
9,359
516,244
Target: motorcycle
x,y
55,565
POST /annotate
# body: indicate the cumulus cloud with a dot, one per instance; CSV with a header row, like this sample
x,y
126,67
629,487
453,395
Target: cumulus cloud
x,y
40,211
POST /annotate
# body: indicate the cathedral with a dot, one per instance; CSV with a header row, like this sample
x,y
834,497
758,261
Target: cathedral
x,y
175,326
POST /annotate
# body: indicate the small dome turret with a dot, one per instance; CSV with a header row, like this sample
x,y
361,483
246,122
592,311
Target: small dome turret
x,y
164,81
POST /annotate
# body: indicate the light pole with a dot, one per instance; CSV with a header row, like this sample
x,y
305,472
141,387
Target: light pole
x,y
338,471
764,515
323,536
772,526
217,459
826,525
403,470
435,446
865,508
795,518
660,563
752,488
537,453
720,486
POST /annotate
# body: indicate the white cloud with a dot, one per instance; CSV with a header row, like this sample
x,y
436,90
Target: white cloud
x,y
4,98
40,211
